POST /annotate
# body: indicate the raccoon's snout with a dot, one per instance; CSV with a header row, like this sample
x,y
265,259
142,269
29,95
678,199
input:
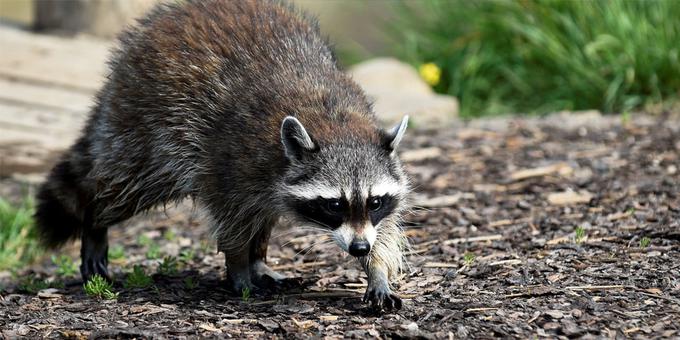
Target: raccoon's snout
x,y
359,248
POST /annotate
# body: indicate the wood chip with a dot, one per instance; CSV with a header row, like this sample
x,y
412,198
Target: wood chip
x,y
439,265
300,266
595,287
569,197
483,309
505,263
420,154
500,223
618,216
328,317
50,293
558,240
560,168
305,324
210,328
474,239
439,202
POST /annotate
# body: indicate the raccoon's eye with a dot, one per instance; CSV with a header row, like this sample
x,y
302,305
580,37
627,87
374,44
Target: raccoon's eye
x,y
374,203
334,205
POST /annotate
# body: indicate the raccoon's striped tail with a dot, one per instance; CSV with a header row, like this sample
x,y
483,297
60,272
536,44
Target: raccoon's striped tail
x,y
59,216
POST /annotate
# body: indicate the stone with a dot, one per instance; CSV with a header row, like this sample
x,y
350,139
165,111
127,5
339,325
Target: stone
x,y
396,89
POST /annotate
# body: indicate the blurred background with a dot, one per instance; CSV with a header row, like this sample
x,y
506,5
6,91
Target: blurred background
x,y
438,61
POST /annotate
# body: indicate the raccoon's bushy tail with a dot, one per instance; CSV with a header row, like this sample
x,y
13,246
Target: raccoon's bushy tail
x,y
59,215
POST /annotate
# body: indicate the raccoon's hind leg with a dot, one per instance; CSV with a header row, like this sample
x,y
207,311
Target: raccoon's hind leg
x,y
64,211
94,251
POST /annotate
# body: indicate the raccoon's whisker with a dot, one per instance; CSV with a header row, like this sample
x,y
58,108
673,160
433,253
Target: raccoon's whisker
x,y
316,238
317,243
298,230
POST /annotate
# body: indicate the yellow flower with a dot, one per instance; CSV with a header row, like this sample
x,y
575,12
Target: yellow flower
x,y
431,73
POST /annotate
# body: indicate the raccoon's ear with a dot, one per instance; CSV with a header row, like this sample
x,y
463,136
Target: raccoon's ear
x,y
392,138
295,139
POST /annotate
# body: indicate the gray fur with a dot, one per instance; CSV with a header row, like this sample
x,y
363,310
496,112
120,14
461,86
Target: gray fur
x,y
194,105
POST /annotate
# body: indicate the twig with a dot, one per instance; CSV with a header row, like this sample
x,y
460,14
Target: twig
x,y
474,239
483,309
595,287
299,266
505,262
439,265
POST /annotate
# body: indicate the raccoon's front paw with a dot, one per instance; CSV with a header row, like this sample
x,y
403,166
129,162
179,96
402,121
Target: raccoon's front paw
x,y
239,283
382,297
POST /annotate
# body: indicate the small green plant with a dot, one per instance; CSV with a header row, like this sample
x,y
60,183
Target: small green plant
x,y
187,255
116,252
154,252
645,242
245,294
625,117
31,284
65,266
579,234
99,287
169,266
144,240
169,235
138,278
190,283
468,258
18,238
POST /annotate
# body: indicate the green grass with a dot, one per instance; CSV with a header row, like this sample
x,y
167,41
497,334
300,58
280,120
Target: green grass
x,y
31,284
116,252
190,283
18,239
169,266
187,256
645,242
538,56
65,266
138,278
169,235
98,287
468,258
154,252
579,234
245,294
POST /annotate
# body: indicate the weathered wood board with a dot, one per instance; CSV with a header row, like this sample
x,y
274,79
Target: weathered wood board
x,y
46,88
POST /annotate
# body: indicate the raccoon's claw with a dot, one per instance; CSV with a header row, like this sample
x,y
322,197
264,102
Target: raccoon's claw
x,y
382,298
94,266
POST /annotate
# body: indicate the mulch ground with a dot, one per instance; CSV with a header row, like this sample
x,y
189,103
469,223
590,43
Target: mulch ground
x,y
560,227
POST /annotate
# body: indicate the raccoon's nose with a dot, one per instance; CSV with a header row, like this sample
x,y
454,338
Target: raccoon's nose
x,y
359,248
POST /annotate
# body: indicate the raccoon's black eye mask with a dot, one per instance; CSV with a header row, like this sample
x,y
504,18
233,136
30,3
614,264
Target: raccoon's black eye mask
x,y
332,212
327,212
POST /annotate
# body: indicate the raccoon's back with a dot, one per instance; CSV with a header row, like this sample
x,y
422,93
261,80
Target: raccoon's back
x,y
211,81
196,62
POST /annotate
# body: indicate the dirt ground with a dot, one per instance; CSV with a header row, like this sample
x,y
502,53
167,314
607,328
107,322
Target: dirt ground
x,y
558,227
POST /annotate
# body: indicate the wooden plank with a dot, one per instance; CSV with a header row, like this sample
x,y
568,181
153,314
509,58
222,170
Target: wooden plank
x,y
77,63
17,92
40,120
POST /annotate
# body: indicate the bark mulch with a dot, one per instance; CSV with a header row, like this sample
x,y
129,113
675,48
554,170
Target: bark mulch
x,y
559,227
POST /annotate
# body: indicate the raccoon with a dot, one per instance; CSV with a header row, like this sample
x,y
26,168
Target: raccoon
x,y
241,106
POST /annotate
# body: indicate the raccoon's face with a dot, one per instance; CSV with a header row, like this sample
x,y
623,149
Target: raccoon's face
x,y
355,189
